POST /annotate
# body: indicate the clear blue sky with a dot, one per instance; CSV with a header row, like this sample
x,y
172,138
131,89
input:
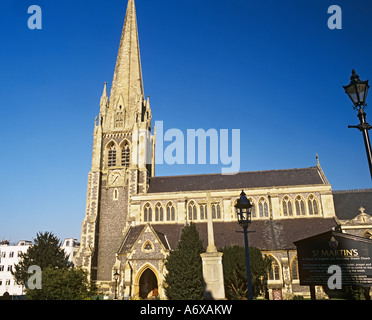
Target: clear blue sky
x,y
270,68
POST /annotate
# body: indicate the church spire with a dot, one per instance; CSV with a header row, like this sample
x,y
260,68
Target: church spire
x,y
127,86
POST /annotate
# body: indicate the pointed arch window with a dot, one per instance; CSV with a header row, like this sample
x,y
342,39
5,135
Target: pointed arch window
x,y
274,272
125,155
171,214
159,215
287,206
300,206
263,208
192,211
216,211
312,204
294,268
111,160
147,213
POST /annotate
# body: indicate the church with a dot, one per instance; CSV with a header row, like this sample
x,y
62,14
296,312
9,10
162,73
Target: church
x,y
133,219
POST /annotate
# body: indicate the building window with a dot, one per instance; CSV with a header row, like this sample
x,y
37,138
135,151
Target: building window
x,y
312,204
300,206
147,213
216,211
203,211
192,211
294,268
7,282
233,209
112,156
287,206
10,268
274,272
11,254
116,194
125,155
147,246
263,208
119,118
253,209
1,268
171,215
159,216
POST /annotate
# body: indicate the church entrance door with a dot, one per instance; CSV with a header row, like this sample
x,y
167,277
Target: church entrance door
x,y
148,284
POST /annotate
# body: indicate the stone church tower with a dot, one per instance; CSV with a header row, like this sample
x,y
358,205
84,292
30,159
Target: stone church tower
x,y
122,159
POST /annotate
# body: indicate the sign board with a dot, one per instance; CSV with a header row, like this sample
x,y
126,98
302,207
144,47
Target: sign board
x,y
351,253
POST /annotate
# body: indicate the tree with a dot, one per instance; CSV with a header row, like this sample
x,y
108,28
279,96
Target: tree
x,y
58,279
348,293
184,280
46,252
235,274
62,284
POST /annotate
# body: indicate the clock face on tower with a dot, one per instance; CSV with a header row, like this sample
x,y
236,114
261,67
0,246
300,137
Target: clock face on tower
x,y
116,178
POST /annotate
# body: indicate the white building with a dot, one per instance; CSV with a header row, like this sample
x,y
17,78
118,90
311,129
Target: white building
x,y
71,246
9,256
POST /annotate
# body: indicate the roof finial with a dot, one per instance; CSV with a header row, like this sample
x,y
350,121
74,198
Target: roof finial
x,y
104,99
104,93
361,209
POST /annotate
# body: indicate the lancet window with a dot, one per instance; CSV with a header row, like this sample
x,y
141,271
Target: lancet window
x,y
111,160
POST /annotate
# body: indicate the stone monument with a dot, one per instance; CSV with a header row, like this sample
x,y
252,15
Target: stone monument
x,y
212,263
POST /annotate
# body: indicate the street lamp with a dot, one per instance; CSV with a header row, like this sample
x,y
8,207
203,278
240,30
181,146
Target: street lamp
x,y
116,278
243,209
357,91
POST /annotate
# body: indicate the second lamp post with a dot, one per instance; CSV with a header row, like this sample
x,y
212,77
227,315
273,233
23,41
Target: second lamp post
x,y
243,209
357,91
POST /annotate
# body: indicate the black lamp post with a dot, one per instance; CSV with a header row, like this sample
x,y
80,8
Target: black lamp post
x,y
357,91
116,278
243,209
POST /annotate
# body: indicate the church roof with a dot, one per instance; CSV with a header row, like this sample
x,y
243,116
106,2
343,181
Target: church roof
x,y
268,235
348,202
252,179
135,232
130,238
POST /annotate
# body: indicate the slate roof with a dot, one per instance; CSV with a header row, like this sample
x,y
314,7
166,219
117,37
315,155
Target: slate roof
x,y
251,179
130,238
268,235
348,202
